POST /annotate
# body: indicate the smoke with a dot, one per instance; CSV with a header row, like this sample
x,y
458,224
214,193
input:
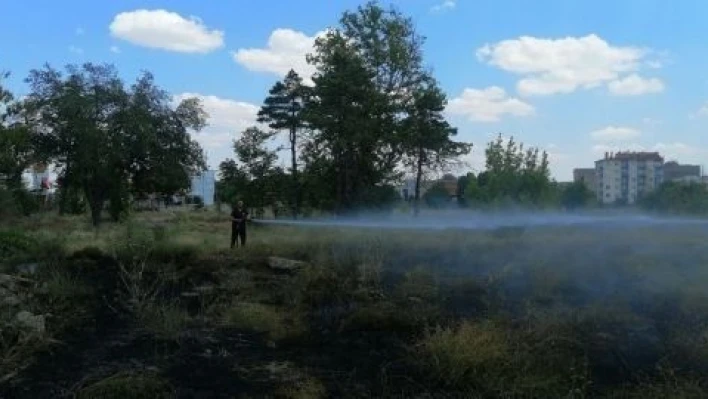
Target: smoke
x,y
573,258
490,221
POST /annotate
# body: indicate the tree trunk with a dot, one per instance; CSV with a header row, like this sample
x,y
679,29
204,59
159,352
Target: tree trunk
x,y
95,200
96,208
296,180
418,176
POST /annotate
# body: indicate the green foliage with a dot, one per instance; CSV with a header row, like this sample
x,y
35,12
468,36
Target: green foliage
x,y
437,196
678,197
14,244
109,139
17,150
258,164
513,176
8,205
576,195
427,142
71,200
233,182
283,109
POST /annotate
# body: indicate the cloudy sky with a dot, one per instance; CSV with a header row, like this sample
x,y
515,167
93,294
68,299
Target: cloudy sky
x,y
576,78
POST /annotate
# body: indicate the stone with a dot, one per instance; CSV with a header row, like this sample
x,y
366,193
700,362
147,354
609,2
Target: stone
x,y
277,263
32,322
28,268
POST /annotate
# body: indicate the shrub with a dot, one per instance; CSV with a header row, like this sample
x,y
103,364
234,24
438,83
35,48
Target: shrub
x,y
165,320
14,244
472,355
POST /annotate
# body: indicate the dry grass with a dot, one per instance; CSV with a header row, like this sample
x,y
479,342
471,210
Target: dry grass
x,y
278,324
472,355
305,388
508,304
128,385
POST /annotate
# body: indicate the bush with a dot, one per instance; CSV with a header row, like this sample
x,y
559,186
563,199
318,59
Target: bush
x,y
165,320
16,246
473,355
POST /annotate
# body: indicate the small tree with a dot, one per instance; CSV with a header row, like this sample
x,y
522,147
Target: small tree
x,y
427,142
258,161
283,110
576,195
512,175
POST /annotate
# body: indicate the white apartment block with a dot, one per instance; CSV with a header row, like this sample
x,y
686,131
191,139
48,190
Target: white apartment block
x,y
626,176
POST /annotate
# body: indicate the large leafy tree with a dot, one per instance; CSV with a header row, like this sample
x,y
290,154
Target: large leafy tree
x,y
163,155
283,110
233,182
390,48
258,162
104,136
16,145
342,113
367,69
428,144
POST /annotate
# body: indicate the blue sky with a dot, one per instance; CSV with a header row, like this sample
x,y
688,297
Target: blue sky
x,y
576,78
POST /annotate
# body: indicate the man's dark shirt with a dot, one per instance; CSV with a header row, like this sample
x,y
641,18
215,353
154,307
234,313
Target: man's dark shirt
x,y
239,214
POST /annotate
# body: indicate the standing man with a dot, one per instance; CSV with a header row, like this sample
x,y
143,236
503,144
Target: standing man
x,y
239,215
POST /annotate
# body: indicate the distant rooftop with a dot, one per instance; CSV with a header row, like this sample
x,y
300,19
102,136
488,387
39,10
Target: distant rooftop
x,y
634,156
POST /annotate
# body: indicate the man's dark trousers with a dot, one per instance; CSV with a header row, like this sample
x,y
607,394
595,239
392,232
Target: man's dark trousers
x,y
238,230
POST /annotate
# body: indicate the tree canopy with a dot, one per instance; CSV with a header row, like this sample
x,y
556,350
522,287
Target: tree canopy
x,y
109,140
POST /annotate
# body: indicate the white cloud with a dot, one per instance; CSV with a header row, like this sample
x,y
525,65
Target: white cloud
x,y
487,105
115,50
286,49
702,111
227,119
615,133
679,150
166,30
635,85
444,6
76,50
550,66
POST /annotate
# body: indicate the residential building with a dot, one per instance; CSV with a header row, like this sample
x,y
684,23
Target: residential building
x,y
674,171
449,181
204,186
626,176
407,189
585,175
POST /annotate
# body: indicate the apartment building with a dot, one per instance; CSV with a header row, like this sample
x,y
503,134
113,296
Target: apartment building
x,y
624,177
585,175
674,171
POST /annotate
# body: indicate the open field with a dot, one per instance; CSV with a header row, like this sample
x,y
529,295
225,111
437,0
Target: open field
x,y
160,306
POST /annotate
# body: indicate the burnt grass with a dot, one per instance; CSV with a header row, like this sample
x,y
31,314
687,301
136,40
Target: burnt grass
x,y
620,314
207,359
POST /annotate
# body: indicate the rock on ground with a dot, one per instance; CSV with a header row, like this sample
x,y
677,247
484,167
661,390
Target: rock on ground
x,y
277,263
